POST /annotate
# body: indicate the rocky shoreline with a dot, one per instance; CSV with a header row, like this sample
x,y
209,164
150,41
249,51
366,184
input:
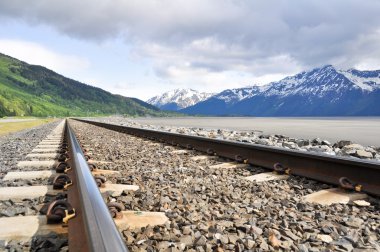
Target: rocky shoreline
x,y
343,148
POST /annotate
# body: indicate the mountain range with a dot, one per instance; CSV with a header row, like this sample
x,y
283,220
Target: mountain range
x,y
178,99
323,91
30,90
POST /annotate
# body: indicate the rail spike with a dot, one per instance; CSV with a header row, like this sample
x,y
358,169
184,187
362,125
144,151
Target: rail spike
x,y
240,159
62,167
62,181
115,209
348,184
100,181
60,211
280,169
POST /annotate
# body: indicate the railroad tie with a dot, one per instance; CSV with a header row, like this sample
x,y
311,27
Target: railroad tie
x,y
48,164
44,174
42,156
229,165
138,219
266,176
203,157
31,192
334,196
179,152
23,228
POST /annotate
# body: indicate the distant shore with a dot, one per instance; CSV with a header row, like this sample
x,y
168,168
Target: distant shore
x,y
362,130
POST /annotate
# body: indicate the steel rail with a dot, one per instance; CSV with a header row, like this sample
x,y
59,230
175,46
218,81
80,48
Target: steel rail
x,y
99,228
321,167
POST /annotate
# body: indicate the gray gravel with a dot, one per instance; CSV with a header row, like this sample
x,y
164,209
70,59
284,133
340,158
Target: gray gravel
x,y
14,148
217,210
344,147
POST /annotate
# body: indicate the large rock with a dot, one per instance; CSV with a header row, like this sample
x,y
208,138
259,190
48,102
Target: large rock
x,y
363,154
321,149
316,141
289,145
351,149
264,142
325,142
342,143
202,133
303,142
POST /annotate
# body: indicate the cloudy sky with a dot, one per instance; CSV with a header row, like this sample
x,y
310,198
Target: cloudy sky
x,y
141,48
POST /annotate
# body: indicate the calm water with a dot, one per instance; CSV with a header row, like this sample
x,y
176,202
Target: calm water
x,y
362,130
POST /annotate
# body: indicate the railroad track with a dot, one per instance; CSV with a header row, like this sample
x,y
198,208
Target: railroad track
x,y
345,172
82,196
76,191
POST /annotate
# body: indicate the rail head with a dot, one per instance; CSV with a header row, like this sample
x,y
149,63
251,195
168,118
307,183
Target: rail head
x,y
100,229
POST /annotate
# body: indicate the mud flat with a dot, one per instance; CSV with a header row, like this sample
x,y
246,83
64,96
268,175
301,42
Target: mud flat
x,y
362,130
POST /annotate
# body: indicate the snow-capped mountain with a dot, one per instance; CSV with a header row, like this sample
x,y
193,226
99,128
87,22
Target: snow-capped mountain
x,y
222,102
323,91
232,96
178,99
322,80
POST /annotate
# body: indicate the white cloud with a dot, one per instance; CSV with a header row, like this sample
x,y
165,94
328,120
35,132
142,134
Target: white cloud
x,y
37,54
218,43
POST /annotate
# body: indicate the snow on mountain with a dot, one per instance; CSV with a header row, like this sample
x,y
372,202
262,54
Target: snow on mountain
x,y
365,80
178,99
323,91
231,96
320,81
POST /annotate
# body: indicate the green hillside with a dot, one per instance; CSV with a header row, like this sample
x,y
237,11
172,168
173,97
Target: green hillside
x,y
29,90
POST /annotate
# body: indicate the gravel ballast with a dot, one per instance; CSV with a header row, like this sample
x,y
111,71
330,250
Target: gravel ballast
x,y
217,209
13,148
345,148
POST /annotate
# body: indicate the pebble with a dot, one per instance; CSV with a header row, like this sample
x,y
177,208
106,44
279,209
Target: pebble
x,y
290,234
186,239
264,245
354,222
257,230
362,203
273,240
325,238
344,244
201,241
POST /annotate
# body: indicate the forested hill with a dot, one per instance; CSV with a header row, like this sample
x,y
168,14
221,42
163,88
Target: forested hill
x,y
37,91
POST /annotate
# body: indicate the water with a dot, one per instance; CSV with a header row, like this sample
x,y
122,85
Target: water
x,y
362,130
